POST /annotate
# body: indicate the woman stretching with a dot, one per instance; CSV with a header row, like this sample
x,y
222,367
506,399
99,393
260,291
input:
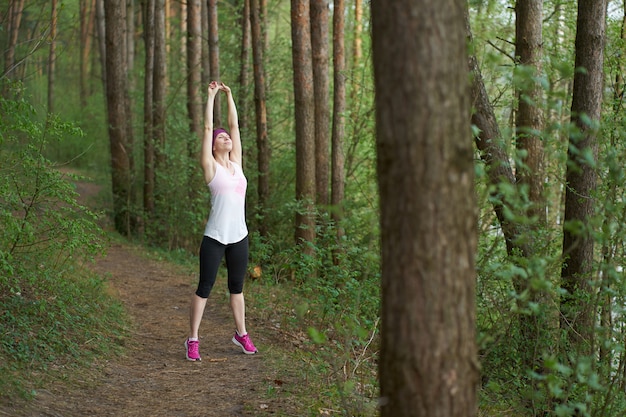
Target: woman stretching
x,y
226,233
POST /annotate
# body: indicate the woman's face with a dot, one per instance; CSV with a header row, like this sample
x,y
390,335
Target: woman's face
x,y
222,142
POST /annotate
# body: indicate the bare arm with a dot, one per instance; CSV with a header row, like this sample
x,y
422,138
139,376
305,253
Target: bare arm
x,y
233,126
206,159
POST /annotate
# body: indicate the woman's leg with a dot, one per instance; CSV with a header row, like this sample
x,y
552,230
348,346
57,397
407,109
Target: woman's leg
x,y
195,315
237,263
211,253
238,307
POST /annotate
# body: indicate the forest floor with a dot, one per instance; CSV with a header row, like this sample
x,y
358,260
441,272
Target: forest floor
x,y
152,377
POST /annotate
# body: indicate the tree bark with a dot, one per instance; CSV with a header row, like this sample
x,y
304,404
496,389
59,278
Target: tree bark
x,y
87,15
100,29
578,315
305,124
160,85
52,56
246,45
16,8
194,68
321,82
118,116
339,108
428,364
529,120
148,99
214,58
262,143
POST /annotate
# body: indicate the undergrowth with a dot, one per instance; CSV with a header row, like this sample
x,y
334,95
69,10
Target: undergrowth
x,y
54,315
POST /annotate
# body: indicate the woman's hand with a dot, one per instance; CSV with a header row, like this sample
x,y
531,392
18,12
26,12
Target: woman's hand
x,y
224,88
214,88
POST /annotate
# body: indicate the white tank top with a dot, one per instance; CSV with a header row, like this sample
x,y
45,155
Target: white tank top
x,y
227,220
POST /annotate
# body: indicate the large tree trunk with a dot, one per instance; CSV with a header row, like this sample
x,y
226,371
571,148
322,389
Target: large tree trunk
x,y
263,148
578,315
305,123
339,107
52,56
428,364
118,116
319,47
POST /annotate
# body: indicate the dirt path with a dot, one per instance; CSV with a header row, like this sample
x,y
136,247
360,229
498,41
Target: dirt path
x,y
153,378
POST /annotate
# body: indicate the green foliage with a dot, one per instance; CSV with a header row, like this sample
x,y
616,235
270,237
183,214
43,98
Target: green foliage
x,y
53,314
333,302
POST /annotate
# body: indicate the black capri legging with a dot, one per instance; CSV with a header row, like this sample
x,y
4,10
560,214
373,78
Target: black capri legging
x,y
211,254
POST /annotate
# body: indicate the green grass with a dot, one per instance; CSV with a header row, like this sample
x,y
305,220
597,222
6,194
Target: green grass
x,y
53,324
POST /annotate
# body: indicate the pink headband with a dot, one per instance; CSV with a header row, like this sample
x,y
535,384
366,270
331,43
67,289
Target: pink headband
x,y
217,132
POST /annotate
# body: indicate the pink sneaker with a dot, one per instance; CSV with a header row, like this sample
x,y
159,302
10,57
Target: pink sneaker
x,y
245,343
193,347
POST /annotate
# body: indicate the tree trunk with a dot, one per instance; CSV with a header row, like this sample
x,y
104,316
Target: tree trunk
x,y
246,45
148,100
305,123
16,8
263,149
52,56
428,364
206,62
159,89
529,121
130,43
319,47
214,58
118,115
578,315
100,29
194,68
87,15
339,107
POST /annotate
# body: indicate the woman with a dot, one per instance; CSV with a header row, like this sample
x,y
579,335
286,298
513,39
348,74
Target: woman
x,y
226,233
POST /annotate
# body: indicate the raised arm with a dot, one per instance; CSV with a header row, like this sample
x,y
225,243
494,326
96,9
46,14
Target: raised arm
x,y
206,158
233,126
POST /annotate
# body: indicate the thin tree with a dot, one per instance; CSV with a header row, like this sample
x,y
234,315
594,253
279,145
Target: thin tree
x,y
214,56
246,45
194,77
321,82
130,41
206,63
529,120
14,19
52,56
537,331
262,143
100,30
148,99
577,310
339,108
87,15
305,123
160,85
119,114
428,364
